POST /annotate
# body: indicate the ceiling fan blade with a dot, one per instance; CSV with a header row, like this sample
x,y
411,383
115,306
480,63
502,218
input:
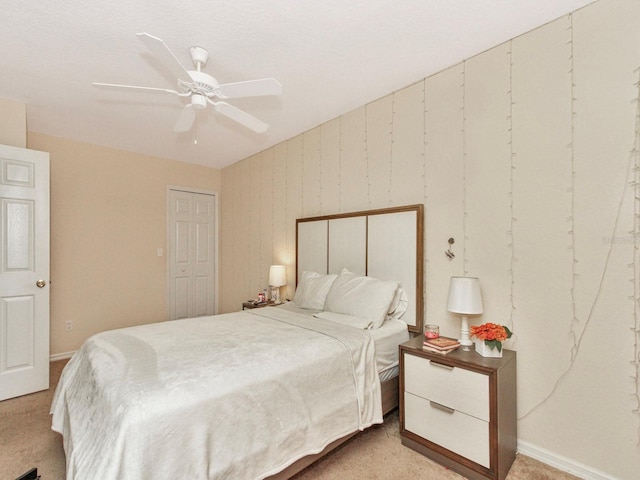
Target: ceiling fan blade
x,y
160,50
241,117
185,120
250,88
134,87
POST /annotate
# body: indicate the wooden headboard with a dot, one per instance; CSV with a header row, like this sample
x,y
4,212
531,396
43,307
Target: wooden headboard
x,y
386,244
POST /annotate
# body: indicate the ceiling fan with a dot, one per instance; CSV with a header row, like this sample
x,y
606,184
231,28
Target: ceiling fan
x,y
202,89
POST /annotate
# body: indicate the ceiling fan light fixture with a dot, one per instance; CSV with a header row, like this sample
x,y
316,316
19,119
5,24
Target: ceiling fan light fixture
x,y
198,101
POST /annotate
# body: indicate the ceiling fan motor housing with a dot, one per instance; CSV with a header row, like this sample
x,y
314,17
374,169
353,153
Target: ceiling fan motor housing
x,y
202,83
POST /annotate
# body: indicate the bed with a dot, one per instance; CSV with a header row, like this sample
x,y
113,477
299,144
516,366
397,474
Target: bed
x,y
258,393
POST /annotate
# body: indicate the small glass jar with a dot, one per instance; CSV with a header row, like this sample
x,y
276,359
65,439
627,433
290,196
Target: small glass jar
x,y
431,331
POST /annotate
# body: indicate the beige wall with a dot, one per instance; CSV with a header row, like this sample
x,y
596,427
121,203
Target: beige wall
x,y
108,218
13,123
527,156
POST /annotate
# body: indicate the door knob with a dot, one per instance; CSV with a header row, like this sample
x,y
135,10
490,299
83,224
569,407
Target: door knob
x,y
41,283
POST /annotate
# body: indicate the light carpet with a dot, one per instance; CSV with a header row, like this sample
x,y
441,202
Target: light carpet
x,y
26,441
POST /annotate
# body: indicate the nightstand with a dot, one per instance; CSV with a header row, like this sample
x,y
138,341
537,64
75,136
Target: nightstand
x,y
459,409
250,305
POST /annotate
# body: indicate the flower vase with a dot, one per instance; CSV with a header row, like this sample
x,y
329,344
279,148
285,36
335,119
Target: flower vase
x,y
485,350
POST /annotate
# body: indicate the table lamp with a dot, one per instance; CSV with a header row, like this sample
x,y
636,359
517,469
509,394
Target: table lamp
x,y
464,299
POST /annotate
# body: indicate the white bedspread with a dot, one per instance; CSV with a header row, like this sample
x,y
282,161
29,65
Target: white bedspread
x,y
234,396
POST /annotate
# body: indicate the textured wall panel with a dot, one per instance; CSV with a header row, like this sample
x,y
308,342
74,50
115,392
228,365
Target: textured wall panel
x,y
379,115
312,172
443,212
330,176
353,166
541,201
487,178
406,182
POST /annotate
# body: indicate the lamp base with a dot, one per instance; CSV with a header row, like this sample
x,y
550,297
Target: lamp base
x,y
465,341
274,293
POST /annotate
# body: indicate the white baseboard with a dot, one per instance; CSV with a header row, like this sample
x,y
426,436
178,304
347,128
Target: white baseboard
x,y
562,463
60,356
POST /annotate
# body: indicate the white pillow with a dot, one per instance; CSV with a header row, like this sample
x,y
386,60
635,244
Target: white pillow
x,y
399,304
364,297
312,290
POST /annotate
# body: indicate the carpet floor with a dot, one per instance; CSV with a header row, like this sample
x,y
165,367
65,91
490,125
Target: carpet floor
x,y
27,441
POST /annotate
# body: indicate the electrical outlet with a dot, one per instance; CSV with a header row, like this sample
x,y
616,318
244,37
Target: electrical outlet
x,y
68,325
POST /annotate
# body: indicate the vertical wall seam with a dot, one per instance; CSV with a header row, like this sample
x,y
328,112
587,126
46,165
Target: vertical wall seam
x,y
392,140
286,202
340,163
320,158
273,205
464,169
302,169
636,258
258,208
572,234
366,153
512,219
423,153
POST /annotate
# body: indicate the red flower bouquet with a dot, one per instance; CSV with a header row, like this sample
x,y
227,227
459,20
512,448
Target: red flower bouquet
x,y
492,334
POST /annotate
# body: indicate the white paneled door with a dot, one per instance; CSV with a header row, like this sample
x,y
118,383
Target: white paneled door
x,y
24,271
192,265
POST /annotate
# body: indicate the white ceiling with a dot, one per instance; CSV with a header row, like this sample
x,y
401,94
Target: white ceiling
x,y
331,56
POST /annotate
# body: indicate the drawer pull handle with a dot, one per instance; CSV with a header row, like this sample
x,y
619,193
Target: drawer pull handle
x,y
439,406
441,365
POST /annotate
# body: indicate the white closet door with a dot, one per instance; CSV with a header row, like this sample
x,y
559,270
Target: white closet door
x,y
192,266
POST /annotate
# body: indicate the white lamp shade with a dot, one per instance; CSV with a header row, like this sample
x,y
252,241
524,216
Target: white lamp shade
x,y
464,296
277,276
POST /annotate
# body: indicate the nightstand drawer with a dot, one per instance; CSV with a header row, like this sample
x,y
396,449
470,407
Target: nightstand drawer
x,y
456,388
456,431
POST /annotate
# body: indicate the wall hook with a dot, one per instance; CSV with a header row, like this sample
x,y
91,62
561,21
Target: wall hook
x,y
450,255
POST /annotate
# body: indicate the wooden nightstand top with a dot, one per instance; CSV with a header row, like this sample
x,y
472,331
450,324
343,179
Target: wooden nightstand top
x,y
459,357
250,305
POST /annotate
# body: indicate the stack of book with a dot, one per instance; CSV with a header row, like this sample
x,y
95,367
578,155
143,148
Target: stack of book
x,y
441,345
